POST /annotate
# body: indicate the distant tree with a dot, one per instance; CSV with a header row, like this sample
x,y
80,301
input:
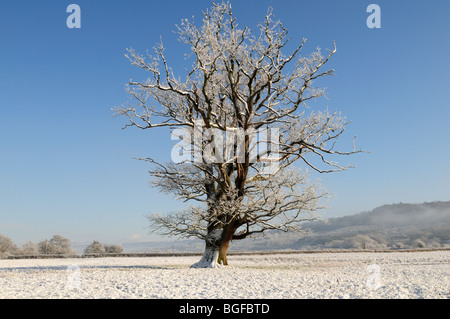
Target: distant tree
x,y
44,247
7,246
418,243
365,242
113,249
29,249
57,245
399,244
95,248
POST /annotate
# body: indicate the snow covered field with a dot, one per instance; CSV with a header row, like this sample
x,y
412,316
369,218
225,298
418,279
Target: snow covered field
x,y
318,275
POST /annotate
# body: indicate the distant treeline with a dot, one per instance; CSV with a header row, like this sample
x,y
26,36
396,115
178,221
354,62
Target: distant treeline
x,y
231,253
56,247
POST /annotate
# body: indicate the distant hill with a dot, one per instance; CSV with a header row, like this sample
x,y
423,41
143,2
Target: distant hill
x,y
425,225
395,226
395,215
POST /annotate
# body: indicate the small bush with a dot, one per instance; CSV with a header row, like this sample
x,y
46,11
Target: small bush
x,y
98,248
7,246
419,243
113,249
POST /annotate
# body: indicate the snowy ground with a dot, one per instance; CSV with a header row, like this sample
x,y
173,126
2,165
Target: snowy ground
x,y
319,275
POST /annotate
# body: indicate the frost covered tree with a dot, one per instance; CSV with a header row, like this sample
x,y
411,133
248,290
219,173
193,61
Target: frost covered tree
x,y
29,249
95,248
57,245
113,249
243,89
7,246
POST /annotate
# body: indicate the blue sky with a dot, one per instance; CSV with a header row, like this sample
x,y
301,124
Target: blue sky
x,y
66,165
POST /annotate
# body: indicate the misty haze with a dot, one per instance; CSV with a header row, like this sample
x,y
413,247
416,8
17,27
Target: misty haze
x,y
396,226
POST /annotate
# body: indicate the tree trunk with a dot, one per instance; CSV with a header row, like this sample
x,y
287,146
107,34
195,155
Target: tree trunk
x,y
210,257
216,247
222,258
227,235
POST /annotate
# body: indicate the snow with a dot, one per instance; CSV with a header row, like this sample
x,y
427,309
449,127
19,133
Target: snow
x,y
319,275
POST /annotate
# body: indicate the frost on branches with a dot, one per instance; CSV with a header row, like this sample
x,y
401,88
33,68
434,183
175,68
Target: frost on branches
x,y
237,81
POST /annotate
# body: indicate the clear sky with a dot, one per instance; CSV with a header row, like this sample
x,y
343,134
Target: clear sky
x,y
66,165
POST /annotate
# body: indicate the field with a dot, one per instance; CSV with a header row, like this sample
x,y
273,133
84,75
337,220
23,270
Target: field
x,y
384,275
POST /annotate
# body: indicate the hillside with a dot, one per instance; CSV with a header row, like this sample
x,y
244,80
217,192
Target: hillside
x,y
425,225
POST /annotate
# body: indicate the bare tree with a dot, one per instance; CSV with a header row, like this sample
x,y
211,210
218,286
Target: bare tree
x,y
238,82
